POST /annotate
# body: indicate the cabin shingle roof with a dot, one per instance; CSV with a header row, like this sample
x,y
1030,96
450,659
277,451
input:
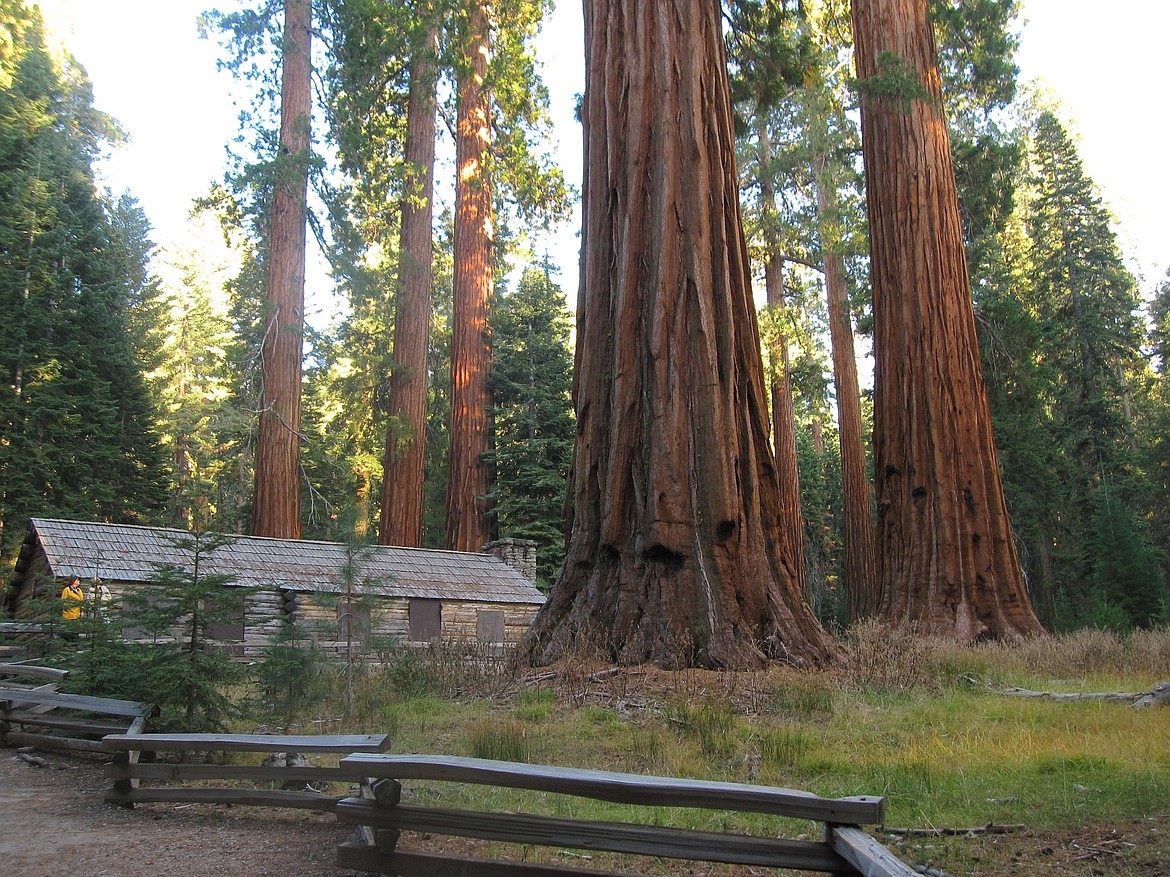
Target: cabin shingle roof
x,y
123,552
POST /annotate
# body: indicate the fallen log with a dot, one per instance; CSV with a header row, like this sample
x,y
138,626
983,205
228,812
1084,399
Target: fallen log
x,y
1125,696
1158,696
990,828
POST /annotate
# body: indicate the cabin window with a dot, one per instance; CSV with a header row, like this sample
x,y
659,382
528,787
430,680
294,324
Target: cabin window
x,y
353,619
229,627
489,626
137,602
426,620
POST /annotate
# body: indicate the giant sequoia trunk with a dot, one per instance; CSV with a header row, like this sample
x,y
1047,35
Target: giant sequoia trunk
x,y
783,413
784,431
946,559
471,352
673,553
276,509
862,593
401,520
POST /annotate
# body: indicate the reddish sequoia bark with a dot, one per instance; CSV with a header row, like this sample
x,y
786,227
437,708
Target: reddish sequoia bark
x,y
673,553
276,505
783,415
401,519
471,351
784,434
946,559
862,594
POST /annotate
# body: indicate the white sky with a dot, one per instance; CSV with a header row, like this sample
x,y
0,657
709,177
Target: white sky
x,y
152,73
1107,64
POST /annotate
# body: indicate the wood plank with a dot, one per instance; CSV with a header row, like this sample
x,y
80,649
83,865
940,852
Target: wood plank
x,y
417,864
48,741
176,772
8,685
247,797
614,837
137,725
249,742
866,854
101,705
129,758
67,723
33,671
622,788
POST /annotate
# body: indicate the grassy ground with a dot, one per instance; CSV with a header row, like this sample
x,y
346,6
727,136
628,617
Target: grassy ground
x,y
1085,785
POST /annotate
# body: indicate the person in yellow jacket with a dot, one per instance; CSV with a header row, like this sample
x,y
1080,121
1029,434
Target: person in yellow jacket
x,y
72,600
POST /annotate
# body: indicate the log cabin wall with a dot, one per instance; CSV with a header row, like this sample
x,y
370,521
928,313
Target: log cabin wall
x,y
408,596
462,622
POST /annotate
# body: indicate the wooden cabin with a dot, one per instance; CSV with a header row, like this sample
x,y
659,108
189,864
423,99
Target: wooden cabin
x,y
408,595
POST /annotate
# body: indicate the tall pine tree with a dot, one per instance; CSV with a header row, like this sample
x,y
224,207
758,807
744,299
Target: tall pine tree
x,y
532,416
75,414
1089,338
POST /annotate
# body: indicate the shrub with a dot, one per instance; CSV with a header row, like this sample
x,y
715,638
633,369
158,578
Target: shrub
x,y
293,676
887,658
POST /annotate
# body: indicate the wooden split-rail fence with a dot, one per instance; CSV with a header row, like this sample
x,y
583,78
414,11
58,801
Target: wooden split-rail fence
x,y
129,771
845,847
34,714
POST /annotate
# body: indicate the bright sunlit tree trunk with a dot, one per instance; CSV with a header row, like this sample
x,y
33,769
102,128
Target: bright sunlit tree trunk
x,y
276,508
471,351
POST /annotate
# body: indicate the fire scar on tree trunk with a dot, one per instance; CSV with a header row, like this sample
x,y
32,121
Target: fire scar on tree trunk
x,y
673,554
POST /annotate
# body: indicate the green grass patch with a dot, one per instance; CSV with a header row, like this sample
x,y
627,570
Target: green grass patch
x,y
899,722
500,740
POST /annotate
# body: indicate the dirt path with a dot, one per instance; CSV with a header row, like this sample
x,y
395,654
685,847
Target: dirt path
x,y
53,821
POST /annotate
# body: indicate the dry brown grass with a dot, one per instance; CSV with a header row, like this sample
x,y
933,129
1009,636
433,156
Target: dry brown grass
x,y
884,658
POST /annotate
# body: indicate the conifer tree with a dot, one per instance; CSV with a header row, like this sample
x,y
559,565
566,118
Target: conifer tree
x,y
199,419
389,59
673,554
1088,340
468,478
187,675
276,506
402,507
76,418
532,415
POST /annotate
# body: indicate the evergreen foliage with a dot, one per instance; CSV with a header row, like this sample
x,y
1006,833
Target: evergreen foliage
x,y
1061,342
193,380
534,425
183,670
131,386
77,421
293,676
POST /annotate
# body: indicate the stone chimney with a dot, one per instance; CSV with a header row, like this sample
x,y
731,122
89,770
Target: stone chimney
x,y
520,554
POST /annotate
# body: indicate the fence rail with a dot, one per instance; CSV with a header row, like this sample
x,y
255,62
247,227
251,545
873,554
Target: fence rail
x,y
846,848
128,770
29,715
